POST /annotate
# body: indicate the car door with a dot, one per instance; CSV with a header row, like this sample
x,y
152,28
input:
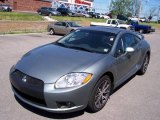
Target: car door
x,y
65,28
57,27
131,40
121,64
125,63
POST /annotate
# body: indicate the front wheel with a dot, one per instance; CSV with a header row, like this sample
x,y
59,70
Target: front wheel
x,y
141,31
100,94
144,67
51,32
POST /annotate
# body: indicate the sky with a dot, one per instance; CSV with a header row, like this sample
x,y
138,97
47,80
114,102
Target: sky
x,y
102,6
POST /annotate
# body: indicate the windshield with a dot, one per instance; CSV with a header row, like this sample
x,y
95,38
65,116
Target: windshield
x,y
52,9
90,41
121,22
73,24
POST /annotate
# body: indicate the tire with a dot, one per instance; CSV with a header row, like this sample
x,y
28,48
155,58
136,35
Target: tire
x,y
50,14
144,66
39,13
141,31
51,31
100,94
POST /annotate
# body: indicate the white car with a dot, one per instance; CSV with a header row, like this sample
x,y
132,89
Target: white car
x,y
113,23
103,16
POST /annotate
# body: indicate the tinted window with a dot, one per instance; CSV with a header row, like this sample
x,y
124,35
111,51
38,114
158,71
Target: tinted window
x,y
52,9
129,40
58,23
120,48
93,41
73,24
63,24
109,22
113,22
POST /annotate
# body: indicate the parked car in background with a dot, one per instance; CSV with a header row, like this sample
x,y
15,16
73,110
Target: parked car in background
x,y
6,8
92,14
86,15
65,11
113,23
79,70
134,18
141,28
62,27
48,11
77,14
103,16
97,15
142,19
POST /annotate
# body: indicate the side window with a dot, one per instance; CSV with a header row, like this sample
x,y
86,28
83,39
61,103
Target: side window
x,y
58,23
109,22
114,22
129,40
64,24
120,48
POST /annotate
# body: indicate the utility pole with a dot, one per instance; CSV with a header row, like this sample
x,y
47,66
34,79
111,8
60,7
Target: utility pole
x,y
140,8
110,5
158,15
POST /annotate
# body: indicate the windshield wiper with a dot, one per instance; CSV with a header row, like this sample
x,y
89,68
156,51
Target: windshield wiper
x,y
80,48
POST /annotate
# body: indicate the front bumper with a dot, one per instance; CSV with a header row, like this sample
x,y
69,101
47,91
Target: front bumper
x,y
55,100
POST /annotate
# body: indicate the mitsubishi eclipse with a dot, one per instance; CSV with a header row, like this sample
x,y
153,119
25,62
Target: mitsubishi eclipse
x,y
80,69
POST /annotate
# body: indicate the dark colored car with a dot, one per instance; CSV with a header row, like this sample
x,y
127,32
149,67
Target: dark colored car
x,y
92,14
48,11
6,8
80,69
62,27
141,28
65,11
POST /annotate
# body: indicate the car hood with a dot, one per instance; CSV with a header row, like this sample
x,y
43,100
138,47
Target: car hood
x,y
50,62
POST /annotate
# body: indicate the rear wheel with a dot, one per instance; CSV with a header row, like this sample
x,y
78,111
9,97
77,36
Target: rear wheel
x,y
50,14
144,67
51,32
141,31
39,13
100,94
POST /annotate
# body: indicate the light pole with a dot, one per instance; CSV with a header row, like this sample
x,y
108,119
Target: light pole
x,y
158,15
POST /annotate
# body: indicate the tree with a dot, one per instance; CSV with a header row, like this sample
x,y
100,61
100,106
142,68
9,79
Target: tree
x,y
136,7
121,7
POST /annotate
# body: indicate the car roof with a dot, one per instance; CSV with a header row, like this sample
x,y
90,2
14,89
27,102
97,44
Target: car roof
x,y
114,30
65,21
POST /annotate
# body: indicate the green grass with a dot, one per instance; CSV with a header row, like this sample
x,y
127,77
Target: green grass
x,y
16,16
80,20
155,25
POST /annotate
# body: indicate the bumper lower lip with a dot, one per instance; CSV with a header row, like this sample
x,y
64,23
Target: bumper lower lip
x,y
58,110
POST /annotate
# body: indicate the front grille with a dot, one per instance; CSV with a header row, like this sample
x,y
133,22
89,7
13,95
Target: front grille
x,y
29,88
30,80
30,98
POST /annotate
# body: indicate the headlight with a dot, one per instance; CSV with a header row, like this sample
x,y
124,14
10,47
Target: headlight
x,y
72,80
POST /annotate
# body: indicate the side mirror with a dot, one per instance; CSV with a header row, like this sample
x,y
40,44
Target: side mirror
x,y
129,50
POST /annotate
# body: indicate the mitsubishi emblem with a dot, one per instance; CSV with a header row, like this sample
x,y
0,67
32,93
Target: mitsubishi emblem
x,y
24,79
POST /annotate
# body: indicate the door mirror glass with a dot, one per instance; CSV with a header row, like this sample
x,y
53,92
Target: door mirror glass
x,y
129,49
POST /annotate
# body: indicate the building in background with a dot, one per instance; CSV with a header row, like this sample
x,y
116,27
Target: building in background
x,y
33,5
75,5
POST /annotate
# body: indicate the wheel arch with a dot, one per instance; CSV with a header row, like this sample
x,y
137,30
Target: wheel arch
x,y
111,76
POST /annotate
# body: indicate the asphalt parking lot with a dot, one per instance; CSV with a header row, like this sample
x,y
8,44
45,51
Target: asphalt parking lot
x,y
137,99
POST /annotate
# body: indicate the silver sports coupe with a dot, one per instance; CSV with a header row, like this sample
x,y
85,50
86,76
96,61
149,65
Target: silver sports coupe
x,y
80,69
